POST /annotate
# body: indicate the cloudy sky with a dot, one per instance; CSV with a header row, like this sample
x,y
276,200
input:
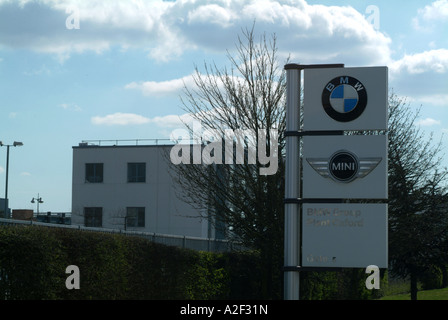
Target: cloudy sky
x,y
88,70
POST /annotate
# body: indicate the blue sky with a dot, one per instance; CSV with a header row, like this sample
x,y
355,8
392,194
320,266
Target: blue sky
x,y
119,76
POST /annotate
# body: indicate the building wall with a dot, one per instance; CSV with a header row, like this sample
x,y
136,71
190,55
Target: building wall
x,y
22,214
2,208
164,212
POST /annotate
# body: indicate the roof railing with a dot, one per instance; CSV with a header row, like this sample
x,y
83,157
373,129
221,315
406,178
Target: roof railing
x,y
125,142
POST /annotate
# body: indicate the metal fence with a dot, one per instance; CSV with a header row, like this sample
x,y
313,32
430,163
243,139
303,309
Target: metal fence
x,y
126,142
186,242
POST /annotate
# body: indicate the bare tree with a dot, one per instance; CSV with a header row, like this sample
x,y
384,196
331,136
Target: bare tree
x,y
242,203
417,220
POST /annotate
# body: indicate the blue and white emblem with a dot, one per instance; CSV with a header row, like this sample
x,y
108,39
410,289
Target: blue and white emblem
x,y
344,98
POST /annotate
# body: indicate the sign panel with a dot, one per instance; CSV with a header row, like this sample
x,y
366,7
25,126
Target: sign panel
x,y
345,167
344,235
345,99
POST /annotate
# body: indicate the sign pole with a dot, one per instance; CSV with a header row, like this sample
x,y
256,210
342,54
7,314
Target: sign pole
x,y
292,241
292,184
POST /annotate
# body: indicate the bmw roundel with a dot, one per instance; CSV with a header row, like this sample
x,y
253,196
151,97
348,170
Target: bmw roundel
x,y
344,98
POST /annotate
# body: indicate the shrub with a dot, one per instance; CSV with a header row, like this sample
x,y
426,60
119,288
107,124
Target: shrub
x,y
29,263
33,261
432,278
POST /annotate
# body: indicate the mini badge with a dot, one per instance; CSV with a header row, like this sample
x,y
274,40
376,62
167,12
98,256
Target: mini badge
x,y
344,98
343,166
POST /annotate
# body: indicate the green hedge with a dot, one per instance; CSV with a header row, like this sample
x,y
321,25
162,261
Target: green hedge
x,y
33,261
344,284
433,278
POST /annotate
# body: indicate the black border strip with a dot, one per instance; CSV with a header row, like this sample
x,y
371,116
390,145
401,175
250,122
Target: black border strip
x,y
290,66
313,133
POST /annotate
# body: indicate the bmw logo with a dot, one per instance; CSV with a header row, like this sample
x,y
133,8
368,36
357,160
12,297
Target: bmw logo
x,y
344,98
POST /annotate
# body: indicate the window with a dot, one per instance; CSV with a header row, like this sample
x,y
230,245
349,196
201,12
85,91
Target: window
x,y
94,172
137,172
135,217
93,217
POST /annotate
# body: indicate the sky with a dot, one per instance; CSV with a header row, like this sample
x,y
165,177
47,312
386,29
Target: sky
x,y
112,70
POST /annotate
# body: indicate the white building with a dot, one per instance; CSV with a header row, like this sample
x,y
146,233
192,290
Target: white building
x,y
130,186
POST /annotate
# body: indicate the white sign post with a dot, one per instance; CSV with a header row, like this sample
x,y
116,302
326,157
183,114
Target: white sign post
x,y
336,167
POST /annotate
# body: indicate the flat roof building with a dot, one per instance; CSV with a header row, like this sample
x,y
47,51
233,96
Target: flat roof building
x,y
130,187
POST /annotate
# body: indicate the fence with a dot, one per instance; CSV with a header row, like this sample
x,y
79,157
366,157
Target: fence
x,y
128,142
194,243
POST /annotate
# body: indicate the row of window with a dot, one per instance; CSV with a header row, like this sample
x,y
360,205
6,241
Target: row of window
x,y
95,172
135,217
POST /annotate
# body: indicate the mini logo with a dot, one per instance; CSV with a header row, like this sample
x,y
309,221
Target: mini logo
x,y
343,166
344,98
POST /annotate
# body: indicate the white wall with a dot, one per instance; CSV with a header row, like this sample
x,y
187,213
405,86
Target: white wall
x,y
164,212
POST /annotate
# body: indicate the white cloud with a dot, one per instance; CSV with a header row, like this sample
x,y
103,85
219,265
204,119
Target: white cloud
x,y
174,86
311,33
172,121
25,174
428,122
2,169
407,72
167,29
40,25
121,119
428,61
435,12
435,99
150,88
212,13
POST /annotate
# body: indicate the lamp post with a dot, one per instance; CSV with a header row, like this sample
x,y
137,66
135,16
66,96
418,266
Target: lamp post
x,y
15,144
38,200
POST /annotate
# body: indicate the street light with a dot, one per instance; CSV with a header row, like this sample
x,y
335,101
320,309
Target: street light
x,y
38,200
15,144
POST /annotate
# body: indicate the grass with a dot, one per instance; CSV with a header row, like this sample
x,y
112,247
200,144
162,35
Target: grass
x,y
436,294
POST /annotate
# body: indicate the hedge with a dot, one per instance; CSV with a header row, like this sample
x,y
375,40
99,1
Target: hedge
x,y
33,260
